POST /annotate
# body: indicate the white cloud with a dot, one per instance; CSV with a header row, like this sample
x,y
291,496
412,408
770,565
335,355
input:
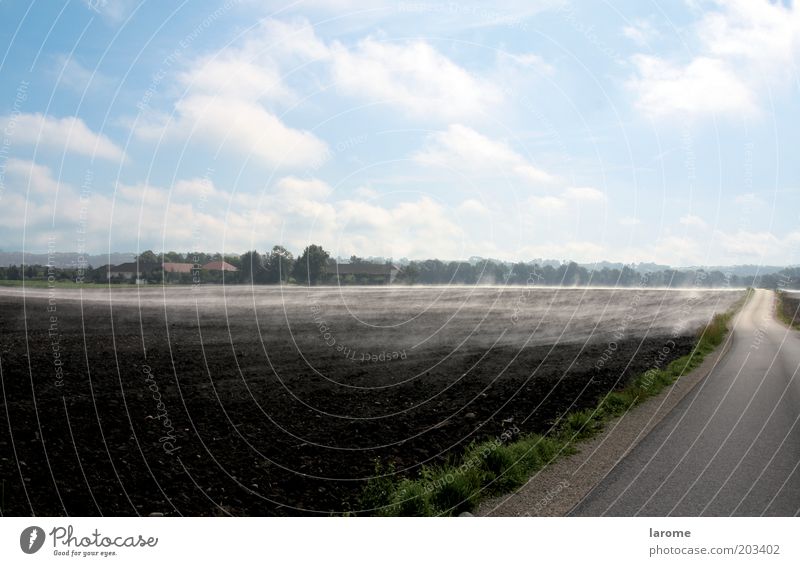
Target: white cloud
x,y
585,194
641,32
198,189
464,149
227,98
743,49
411,229
473,207
114,11
196,213
413,76
547,203
75,76
723,248
675,250
139,216
693,221
367,193
629,221
529,61
746,246
704,87
242,126
569,198
763,33
297,188
252,68
33,199
69,135
234,77
294,39
37,177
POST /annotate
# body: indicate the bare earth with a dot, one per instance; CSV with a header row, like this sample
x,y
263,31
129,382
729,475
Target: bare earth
x,y
279,401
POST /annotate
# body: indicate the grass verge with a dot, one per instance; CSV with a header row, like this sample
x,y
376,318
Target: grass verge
x,y
783,307
507,462
63,284
70,284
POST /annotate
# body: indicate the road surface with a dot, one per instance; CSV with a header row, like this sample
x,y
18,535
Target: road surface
x,y
730,447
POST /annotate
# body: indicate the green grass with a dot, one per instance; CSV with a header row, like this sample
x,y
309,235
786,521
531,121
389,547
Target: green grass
x,y
502,465
781,312
69,284
486,468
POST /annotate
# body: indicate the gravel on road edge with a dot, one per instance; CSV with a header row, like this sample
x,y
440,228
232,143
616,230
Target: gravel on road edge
x,y
557,488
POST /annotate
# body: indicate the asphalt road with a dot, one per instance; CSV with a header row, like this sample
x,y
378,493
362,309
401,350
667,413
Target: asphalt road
x,y
731,446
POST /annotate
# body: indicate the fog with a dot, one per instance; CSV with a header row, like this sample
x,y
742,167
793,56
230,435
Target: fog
x,y
396,319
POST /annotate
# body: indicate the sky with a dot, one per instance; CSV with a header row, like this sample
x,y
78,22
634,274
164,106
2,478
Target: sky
x,y
628,131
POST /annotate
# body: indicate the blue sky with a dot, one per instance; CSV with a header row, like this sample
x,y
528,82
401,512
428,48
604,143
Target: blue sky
x,y
625,131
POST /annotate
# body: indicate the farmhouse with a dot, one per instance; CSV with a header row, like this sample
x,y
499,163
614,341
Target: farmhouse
x,y
366,273
171,267
219,266
171,271
129,270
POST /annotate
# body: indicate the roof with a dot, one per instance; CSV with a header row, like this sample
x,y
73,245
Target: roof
x,y
132,267
170,267
363,269
219,266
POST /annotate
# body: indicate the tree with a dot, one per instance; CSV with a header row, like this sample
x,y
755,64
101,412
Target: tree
x,y
253,268
628,277
498,273
519,273
97,275
311,265
410,273
146,257
279,264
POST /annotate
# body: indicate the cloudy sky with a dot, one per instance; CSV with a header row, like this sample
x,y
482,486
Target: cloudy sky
x,y
621,130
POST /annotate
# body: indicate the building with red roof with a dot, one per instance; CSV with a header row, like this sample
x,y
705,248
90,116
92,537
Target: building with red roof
x,y
171,267
219,266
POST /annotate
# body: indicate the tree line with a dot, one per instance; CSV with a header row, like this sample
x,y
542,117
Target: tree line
x,y
436,272
315,266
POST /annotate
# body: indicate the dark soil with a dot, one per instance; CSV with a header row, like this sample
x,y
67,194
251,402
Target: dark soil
x,y
253,428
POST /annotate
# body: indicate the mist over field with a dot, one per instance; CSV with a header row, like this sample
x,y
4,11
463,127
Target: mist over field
x,y
416,318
